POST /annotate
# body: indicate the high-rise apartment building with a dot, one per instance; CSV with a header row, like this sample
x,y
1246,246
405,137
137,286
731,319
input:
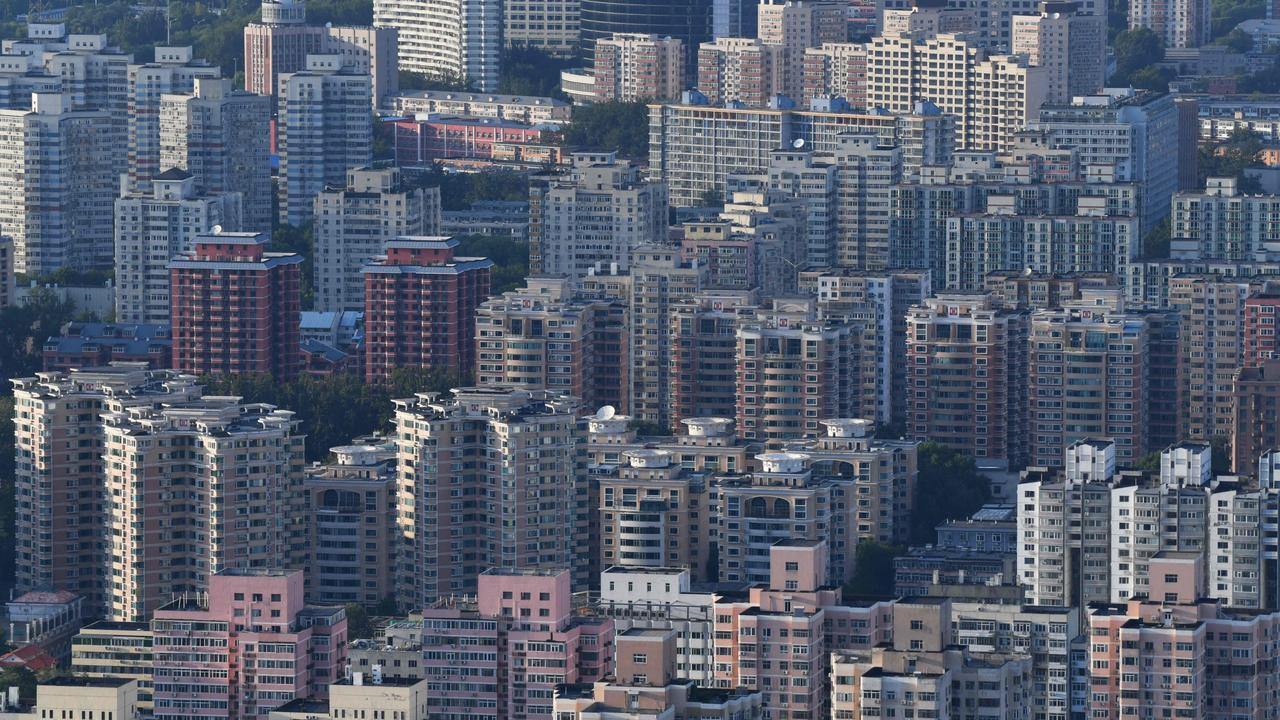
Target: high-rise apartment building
x,y
67,409
1260,342
660,278
1211,352
63,178
547,336
703,353
694,147
1088,378
221,136
324,131
7,287
1182,645
793,370
139,416
1135,132
596,214
993,97
278,45
234,307
836,70
1255,404
1070,45
459,517
253,510
794,26
453,40
158,220
656,513
876,303
353,224
375,51
924,673
173,71
1222,223
420,305
966,375
867,168
353,540
276,648
1178,23
741,70
635,66
792,499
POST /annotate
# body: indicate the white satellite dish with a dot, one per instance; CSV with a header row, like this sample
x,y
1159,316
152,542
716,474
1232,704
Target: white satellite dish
x,y
798,143
606,412
217,230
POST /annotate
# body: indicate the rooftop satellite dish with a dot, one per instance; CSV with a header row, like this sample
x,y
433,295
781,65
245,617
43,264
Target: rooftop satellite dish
x,y
217,229
798,143
606,412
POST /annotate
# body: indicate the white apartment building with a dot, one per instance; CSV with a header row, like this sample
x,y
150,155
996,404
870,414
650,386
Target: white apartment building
x,y
992,97
158,219
61,183
597,214
1179,23
173,71
324,130
353,223
661,597
220,136
458,40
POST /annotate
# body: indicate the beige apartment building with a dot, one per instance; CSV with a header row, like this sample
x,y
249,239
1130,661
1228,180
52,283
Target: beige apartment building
x,y
635,66
459,517
966,378
1211,352
655,513
545,335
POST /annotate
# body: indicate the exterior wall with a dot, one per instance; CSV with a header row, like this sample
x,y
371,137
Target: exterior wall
x,y
235,308
635,67
352,226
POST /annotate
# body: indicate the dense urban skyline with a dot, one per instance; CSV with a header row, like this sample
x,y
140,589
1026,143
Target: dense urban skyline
x,y
640,360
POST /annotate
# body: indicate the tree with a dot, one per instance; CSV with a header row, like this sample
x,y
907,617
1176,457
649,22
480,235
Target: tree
x,y
1238,41
1220,446
873,572
21,678
1152,77
1227,14
358,625
300,240
1156,243
621,127
948,487
1231,157
24,328
334,409
410,80
1134,50
510,259
531,71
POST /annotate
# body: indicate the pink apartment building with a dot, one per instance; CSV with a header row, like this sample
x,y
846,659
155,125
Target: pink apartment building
x,y
244,648
503,652
777,640
645,686
1176,654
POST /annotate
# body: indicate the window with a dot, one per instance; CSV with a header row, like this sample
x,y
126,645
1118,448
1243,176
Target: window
x,y
639,658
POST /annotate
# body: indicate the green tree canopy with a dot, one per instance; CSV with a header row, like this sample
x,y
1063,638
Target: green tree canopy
x,y
873,569
621,127
1134,50
949,487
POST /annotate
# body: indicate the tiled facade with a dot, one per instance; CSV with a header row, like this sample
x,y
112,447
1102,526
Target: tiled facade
x,y
234,307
